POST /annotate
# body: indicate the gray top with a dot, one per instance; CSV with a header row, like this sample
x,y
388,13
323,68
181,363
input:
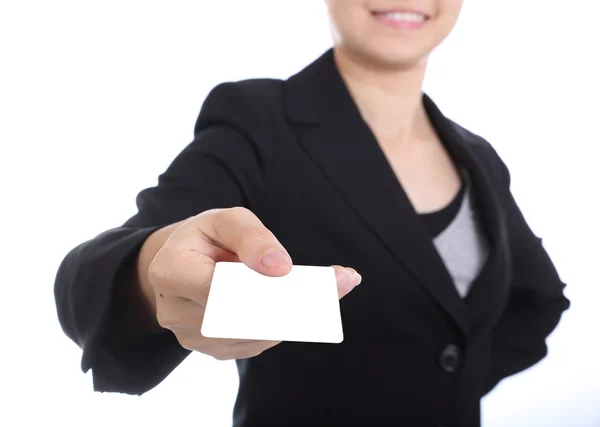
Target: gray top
x,y
462,245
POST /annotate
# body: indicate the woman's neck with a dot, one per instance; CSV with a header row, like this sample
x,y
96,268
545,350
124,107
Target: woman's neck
x,y
389,100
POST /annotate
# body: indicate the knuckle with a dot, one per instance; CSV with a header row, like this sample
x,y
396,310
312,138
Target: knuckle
x,y
166,318
253,235
233,214
254,354
223,218
222,356
187,342
157,273
234,352
250,353
239,210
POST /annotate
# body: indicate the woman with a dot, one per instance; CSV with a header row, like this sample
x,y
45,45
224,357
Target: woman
x,y
346,163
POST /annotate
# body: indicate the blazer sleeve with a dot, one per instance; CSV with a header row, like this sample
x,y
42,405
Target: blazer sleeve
x,y
535,303
223,167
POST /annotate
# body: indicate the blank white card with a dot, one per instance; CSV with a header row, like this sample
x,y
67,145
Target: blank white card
x,y
300,306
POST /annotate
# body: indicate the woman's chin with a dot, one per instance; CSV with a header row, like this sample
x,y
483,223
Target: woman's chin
x,y
391,57
397,58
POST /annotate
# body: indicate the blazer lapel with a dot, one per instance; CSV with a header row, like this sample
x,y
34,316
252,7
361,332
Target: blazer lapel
x,y
489,290
344,147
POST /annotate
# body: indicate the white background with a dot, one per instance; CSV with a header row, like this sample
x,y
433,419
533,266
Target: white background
x,y
93,90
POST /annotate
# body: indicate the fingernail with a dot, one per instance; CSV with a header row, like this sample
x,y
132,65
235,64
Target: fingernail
x,y
275,258
358,277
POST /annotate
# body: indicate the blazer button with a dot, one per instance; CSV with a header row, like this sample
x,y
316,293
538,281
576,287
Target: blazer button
x,y
450,358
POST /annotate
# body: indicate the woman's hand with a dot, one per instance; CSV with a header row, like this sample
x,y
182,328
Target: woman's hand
x,y
181,273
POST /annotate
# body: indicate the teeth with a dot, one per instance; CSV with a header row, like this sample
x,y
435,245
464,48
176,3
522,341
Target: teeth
x,y
405,16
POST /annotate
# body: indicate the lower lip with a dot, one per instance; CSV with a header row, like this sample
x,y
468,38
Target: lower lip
x,y
389,22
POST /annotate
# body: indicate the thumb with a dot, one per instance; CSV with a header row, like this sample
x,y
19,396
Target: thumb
x,y
240,231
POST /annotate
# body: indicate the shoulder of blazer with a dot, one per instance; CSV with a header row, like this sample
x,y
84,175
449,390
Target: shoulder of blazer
x,y
486,151
247,107
243,103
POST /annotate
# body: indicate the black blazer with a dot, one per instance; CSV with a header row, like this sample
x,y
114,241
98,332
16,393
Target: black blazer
x,y
299,155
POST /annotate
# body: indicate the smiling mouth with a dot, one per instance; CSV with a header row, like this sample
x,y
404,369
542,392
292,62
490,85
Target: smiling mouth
x,y
402,16
409,20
